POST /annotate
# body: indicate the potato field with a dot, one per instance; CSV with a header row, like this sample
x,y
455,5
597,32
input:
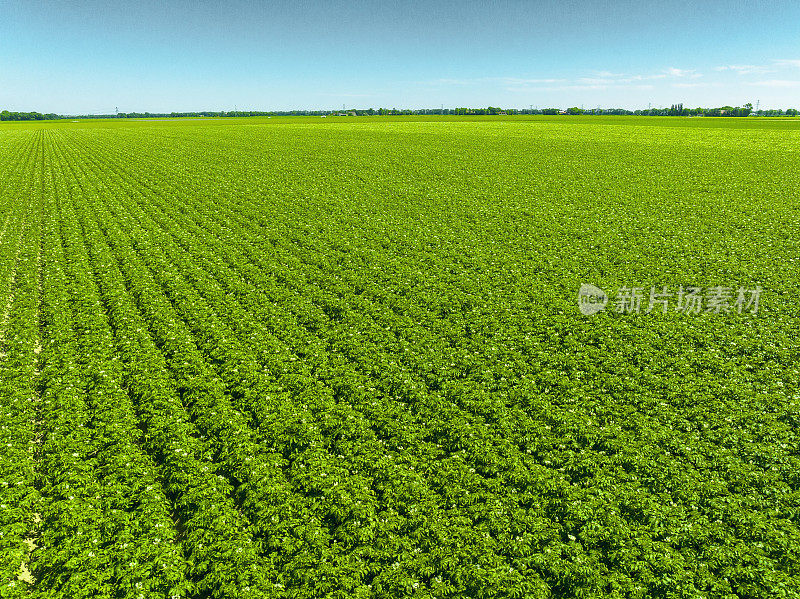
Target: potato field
x,y
345,358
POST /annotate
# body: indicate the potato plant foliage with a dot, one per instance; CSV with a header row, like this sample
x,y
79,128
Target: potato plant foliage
x,y
297,358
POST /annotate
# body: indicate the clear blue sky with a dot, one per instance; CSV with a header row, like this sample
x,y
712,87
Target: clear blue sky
x,y
89,57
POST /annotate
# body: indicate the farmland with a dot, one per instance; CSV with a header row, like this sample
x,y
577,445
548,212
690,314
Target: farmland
x,y
344,358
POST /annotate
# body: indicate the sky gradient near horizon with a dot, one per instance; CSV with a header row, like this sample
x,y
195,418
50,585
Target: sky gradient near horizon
x,y
90,57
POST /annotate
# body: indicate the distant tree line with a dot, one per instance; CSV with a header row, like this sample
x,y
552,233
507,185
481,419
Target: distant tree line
x,y
673,110
5,115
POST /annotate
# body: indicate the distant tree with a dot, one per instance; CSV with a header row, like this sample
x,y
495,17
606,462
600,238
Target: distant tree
x,y
675,110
